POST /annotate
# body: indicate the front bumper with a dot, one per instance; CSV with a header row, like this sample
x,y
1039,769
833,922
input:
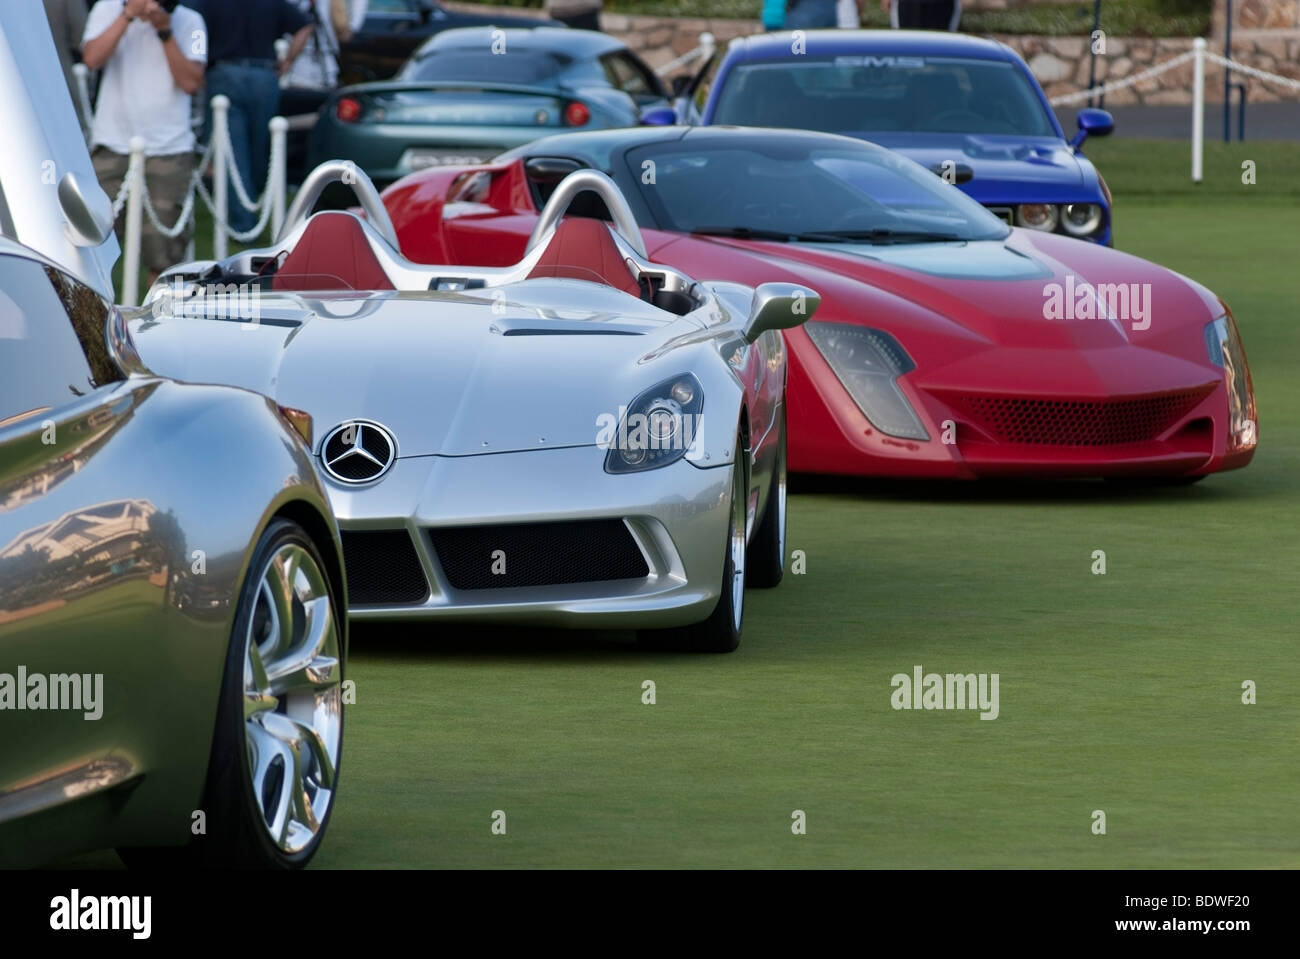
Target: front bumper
x,y
829,434
676,516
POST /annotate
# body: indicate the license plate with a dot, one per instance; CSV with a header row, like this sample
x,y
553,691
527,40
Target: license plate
x,y
423,159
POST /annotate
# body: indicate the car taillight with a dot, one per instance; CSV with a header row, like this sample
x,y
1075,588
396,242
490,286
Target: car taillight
x,y
348,109
576,114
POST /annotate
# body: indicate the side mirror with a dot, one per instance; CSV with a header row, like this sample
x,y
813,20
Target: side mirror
x,y
961,172
121,345
549,170
658,117
779,306
1092,123
88,210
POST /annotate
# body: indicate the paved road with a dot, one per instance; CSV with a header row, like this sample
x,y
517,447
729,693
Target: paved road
x,y
1264,121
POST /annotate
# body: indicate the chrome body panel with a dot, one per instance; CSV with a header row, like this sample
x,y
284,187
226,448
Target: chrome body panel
x,y
151,472
43,142
494,396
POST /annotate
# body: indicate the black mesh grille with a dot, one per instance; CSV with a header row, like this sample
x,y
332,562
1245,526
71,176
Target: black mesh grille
x,y
1082,422
538,554
383,568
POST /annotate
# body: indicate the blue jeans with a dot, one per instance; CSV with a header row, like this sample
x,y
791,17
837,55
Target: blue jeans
x,y
811,15
254,92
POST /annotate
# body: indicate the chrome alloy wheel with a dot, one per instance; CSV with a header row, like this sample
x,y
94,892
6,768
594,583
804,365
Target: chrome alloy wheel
x,y
293,698
736,546
781,484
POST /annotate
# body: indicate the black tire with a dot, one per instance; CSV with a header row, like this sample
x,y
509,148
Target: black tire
x,y
720,632
765,564
237,834
1153,482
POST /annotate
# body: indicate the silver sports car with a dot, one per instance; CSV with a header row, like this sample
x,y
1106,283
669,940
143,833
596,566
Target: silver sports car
x,y
585,438
172,600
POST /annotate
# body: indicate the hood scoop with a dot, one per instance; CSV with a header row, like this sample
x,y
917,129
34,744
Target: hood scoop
x,y
530,327
975,260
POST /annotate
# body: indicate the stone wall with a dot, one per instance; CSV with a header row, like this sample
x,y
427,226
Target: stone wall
x,y
1061,65
1266,35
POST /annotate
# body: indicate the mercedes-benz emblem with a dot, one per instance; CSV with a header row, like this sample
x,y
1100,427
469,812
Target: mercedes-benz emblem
x,y
358,451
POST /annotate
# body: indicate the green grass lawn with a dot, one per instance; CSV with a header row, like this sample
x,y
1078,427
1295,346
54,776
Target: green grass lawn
x,y
1119,692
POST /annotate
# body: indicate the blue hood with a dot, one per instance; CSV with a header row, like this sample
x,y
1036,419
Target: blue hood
x,y
1006,168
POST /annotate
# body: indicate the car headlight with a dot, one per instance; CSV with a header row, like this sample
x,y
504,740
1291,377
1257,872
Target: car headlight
x,y
1038,216
656,428
869,362
1224,345
1081,219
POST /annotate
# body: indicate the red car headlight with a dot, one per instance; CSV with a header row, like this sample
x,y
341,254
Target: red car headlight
x,y
868,363
1224,344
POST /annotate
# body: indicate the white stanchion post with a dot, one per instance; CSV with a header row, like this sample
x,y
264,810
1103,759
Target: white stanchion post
x,y
279,136
220,187
81,74
134,212
1198,108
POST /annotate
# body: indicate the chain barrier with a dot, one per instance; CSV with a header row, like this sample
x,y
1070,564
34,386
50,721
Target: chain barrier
x,y
1068,98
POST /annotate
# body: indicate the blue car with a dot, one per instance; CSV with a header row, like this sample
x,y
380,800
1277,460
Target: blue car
x,y
967,108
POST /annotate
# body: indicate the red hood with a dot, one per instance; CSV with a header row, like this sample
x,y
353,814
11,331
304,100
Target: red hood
x,y
948,321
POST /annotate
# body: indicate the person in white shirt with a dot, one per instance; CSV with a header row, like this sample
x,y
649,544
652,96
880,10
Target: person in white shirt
x,y
152,55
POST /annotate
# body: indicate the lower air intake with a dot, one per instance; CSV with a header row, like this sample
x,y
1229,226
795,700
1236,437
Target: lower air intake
x,y
382,568
1082,422
537,554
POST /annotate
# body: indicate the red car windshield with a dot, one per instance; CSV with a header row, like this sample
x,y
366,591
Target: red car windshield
x,y
863,94
770,189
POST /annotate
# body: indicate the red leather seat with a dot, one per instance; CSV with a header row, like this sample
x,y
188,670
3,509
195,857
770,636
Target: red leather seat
x,y
582,249
332,254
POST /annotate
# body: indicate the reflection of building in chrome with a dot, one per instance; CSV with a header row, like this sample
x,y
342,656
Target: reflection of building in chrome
x,y
81,550
88,434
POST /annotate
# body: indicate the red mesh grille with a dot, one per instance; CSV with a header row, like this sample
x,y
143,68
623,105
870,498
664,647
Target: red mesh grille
x,y
1081,422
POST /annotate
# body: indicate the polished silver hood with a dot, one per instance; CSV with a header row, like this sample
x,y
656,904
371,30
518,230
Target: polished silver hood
x,y
454,374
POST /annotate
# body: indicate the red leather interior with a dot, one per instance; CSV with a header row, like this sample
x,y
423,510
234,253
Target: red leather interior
x,y
332,254
582,249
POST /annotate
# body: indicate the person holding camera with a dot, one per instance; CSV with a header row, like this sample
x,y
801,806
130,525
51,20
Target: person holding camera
x,y
152,54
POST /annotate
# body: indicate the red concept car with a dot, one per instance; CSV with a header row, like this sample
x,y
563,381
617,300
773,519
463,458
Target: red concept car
x,y
947,344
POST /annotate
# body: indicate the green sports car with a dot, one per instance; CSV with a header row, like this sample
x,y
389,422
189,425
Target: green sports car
x,y
471,93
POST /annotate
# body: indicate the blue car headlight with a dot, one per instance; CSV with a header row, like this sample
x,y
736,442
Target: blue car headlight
x,y
868,363
655,429
1084,220
1081,219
